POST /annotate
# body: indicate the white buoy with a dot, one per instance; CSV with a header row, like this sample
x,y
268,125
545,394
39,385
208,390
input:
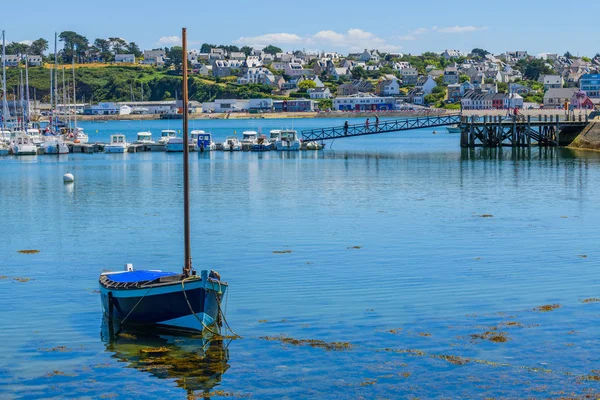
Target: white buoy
x,y
68,178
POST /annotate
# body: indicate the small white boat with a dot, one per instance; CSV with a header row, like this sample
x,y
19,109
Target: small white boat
x,y
232,144
274,136
117,144
23,145
175,144
261,144
55,146
314,146
288,141
453,129
35,136
165,135
79,136
249,137
144,138
202,141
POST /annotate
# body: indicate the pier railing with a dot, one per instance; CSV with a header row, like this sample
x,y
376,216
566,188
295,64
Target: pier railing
x,y
374,127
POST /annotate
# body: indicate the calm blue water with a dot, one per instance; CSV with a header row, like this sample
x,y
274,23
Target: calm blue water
x,y
389,253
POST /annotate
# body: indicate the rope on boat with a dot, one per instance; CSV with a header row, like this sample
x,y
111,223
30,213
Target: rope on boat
x,y
218,305
134,307
192,310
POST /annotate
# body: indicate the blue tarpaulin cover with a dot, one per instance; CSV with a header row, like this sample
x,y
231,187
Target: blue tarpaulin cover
x,y
138,276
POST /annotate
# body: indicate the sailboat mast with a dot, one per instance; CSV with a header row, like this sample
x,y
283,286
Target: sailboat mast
x,y
55,79
21,100
4,101
74,101
187,269
27,86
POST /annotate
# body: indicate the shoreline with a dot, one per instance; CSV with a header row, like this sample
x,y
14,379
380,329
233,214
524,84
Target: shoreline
x,y
319,115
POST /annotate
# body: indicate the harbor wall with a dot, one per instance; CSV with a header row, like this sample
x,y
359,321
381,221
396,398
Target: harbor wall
x,y
589,138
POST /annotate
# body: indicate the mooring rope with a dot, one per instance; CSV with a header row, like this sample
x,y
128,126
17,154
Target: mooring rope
x,y
192,310
134,307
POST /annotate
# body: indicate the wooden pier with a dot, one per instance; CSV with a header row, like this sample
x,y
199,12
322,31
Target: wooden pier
x,y
521,131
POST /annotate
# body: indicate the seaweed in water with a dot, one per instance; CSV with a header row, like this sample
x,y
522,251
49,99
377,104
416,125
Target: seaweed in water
x,y
547,307
59,349
354,247
493,335
282,251
29,251
367,382
590,300
220,393
486,216
155,350
23,279
329,346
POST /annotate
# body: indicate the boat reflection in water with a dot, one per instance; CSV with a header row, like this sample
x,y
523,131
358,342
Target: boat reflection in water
x,y
195,362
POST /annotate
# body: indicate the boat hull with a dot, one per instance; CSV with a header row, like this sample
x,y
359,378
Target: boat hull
x,y
115,149
174,147
261,147
165,304
24,150
288,146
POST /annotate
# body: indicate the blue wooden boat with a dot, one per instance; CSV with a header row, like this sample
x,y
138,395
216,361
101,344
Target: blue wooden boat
x,y
151,297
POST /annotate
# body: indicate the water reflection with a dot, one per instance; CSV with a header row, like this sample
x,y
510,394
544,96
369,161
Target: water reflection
x,y
195,362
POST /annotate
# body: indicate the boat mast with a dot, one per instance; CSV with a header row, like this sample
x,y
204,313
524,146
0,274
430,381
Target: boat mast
x,y
27,87
55,80
74,102
21,99
4,101
187,269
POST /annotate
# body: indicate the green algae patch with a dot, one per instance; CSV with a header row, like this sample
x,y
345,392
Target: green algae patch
x,y
57,349
424,334
57,373
28,251
127,336
354,247
329,346
454,360
282,251
368,382
492,335
395,331
221,393
155,350
590,300
23,279
547,308
3,277
486,216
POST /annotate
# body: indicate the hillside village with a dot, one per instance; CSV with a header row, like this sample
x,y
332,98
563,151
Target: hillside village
x,y
370,80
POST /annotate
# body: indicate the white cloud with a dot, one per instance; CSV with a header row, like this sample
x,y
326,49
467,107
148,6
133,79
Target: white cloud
x,y
270,38
460,29
413,35
353,40
169,41
27,42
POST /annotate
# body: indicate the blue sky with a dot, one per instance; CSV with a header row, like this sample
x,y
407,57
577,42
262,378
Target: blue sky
x,y
352,25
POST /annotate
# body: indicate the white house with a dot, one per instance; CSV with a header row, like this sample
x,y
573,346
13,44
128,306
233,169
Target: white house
x,y
253,61
154,57
295,69
390,87
12,60
125,58
426,84
257,75
320,93
513,100
363,103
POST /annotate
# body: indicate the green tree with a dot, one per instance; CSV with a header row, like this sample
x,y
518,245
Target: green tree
x,y
270,49
75,46
481,53
38,47
568,54
118,45
307,84
16,48
133,48
533,68
325,104
464,78
205,48
175,57
358,73
502,87
247,50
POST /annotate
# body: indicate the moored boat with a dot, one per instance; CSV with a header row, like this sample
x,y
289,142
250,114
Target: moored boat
x,y
453,129
232,144
3,149
55,145
261,144
175,144
288,141
144,138
165,135
151,297
249,137
203,141
23,145
274,135
314,146
118,144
